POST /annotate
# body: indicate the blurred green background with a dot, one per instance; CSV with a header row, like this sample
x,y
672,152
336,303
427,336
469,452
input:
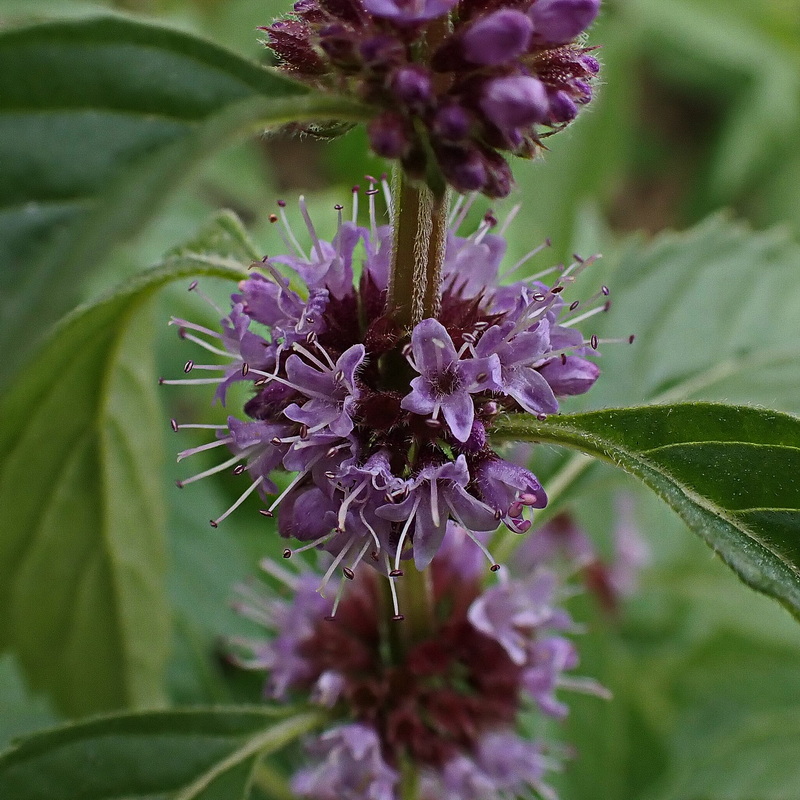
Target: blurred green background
x,y
698,112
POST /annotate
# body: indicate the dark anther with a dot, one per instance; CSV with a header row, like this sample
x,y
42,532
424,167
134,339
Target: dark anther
x,y
179,484
338,207
260,382
494,567
557,290
192,286
173,423
541,417
330,475
213,523
304,432
287,553
498,515
187,367
573,305
631,338
275,440
538,297
238,469
281,203
396,573
398,618
374,555
593,341
245,369
605,290
273,217
348,573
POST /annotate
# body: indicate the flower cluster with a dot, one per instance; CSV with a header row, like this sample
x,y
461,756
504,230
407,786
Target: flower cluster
x,y
449,702
387,429
460,81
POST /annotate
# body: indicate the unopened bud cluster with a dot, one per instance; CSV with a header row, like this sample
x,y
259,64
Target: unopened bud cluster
x,y
455,84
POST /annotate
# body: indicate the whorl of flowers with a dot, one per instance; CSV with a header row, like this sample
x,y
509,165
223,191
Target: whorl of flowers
x,y
450,702
453,83
387,429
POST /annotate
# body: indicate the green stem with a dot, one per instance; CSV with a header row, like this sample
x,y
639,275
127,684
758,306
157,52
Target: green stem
x,y
420,227
415,591
409,780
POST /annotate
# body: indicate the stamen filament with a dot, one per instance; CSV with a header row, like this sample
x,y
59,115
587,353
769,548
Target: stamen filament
x,y
245,494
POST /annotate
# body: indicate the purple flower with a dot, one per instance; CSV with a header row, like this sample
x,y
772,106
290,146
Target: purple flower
x,y
498,37
434,495
559,21
517,101
407,12
547,659
446,381
332,391
508,488
510,611
512,763
569,375
353,767
245,347
518,353
294,622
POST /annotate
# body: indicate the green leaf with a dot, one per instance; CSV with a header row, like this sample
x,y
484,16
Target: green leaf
x,y
101,119
732,474
195,754
82,567
714,310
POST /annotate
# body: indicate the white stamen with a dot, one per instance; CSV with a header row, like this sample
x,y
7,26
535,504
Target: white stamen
x,y
191,381
203,447
280,574
310,225
219,468
404,534
206,298
392,588
335,563
509,219
575,320
201,426
242,497
290,234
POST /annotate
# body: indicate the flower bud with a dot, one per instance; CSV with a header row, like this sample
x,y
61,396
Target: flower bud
x,y
412,86
517,101
452,123
498,38
562,107
558,21
388,135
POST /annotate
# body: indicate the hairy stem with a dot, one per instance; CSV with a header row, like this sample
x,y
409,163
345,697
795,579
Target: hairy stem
x,y
417,251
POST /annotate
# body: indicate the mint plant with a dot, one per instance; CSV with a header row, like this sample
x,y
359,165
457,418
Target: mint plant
x,y
393,396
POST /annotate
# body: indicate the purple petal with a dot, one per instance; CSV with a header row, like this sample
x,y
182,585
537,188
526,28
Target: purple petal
x,y
532,391
458,411
433,348
569,376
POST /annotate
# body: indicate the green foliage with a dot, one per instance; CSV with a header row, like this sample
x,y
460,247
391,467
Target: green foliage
x,y
101,119
82,551
731,473
714,310
198,754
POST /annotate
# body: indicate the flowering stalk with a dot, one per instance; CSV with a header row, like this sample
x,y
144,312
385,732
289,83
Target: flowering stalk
x,y
418,251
